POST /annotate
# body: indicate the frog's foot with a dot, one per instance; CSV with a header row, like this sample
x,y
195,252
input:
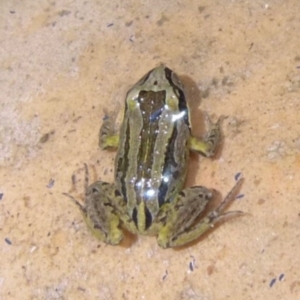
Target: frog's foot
x,y
178,220
98,211
216,215
208,145
108,139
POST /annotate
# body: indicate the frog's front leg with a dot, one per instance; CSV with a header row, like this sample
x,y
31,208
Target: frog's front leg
x,y
99,210
108,139
178,219
208,145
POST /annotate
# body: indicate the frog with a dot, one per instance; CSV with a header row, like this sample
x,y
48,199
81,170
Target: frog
x,y
153,147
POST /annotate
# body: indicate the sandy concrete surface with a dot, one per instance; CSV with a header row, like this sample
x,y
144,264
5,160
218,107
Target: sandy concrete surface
x,y
63,63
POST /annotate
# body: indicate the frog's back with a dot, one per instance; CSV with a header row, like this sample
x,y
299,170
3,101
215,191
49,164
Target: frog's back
x,y
152,155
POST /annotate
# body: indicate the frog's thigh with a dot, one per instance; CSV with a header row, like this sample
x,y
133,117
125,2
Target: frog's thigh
x,y
179,215
107,137
209,144
100,214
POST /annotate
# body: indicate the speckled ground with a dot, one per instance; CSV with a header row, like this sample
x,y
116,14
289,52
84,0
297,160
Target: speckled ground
x,y
64,63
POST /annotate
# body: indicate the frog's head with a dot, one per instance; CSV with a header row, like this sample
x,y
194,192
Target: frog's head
x,y
164,84
159,79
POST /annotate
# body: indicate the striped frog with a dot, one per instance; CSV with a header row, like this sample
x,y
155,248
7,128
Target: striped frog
x,y
150,169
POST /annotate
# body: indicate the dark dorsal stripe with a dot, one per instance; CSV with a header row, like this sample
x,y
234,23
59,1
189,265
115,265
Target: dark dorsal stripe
x,y
169,165
123,162
148,217
182,105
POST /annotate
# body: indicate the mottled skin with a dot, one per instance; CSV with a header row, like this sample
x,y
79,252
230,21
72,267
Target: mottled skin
x,y
150,169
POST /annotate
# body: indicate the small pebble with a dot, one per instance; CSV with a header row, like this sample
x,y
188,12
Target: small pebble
x,y
8,241
165,276
51,183
237,176
272,282
281,276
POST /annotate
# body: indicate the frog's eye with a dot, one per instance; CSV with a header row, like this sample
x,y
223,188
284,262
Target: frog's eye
x,y
173,79
176,81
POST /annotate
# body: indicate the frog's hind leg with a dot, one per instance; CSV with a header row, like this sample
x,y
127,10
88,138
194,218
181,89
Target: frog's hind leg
x,y
98,211
100,214
178,219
